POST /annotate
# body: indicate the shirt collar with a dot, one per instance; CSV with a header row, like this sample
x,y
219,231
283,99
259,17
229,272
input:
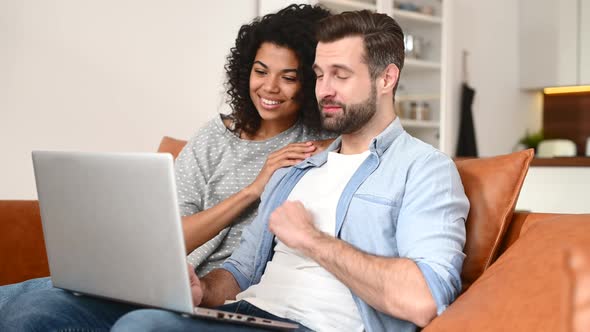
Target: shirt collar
x,y
383,141
378,145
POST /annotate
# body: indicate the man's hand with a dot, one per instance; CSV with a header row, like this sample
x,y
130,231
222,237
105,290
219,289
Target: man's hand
x,y
196,290
293,225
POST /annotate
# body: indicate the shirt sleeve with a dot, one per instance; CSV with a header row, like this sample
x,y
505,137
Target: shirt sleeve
x,y
191,185
254,241
431,225
190,178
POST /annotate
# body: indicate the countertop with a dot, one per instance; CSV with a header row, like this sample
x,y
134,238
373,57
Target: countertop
x,y
562,162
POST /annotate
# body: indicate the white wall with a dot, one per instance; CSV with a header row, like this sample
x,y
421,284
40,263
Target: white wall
x,y
488,30
107,75
272,6
118,75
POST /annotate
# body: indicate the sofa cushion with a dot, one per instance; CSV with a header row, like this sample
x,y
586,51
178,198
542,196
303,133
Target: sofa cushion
x,y
492,186
534,286
171,145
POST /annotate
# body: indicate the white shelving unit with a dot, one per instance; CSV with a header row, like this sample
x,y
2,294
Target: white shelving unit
x,y
421,64
424,78
403,15
420,123
343,5
418,97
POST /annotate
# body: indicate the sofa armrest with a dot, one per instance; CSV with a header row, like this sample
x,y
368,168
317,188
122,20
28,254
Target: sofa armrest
x,y
539,284
22,248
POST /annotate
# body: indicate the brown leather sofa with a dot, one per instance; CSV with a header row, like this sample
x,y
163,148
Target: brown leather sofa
x,y
523,271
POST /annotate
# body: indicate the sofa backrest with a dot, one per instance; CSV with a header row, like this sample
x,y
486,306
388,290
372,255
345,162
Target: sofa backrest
x,y
171,145
22,247
521,222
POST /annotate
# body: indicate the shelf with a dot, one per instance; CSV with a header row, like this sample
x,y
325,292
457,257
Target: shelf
x,y
417,97
349,4
419,123
421,64
416,17
562,162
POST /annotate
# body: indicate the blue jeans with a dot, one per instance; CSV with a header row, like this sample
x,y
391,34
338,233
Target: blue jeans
x,y
58,310
9,292
161,320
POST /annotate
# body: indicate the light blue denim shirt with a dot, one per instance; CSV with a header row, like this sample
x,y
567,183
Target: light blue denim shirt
x,y
405,200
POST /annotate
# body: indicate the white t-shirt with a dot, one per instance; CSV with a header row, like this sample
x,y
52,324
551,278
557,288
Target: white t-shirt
x,y
296,287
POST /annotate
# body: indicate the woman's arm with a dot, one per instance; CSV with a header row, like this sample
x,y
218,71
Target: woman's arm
x,y
204,225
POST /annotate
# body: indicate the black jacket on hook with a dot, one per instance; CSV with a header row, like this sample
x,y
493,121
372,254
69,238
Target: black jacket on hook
x,y
466,145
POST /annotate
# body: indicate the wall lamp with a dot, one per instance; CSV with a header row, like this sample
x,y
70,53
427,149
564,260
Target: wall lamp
x,y
566,89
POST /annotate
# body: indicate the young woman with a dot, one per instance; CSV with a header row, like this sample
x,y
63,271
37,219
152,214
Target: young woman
x,y
223,169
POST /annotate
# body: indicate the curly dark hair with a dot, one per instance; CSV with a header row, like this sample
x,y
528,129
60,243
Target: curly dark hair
x,y
292,27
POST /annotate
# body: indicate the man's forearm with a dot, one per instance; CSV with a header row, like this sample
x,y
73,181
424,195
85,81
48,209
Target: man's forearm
x,y
218,285
394,286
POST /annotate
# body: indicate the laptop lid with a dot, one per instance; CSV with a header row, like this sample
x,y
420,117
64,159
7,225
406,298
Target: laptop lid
x,y
112,226
112,229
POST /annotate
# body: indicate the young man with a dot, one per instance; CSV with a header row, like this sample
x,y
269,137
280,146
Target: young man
x,y
366,236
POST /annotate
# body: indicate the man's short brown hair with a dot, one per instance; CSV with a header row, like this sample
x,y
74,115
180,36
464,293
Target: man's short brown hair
x,y
383,38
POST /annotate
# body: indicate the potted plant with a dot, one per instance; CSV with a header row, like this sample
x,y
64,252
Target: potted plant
x,y
530,141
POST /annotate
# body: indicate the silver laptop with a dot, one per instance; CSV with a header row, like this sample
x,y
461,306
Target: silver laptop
x,y
113,230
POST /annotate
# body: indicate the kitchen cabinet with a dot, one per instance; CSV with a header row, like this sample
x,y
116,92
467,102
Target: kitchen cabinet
x,y
554,43
422,99
555,189
585,42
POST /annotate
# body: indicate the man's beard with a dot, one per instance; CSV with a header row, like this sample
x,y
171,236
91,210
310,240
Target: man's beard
x,y
353,117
